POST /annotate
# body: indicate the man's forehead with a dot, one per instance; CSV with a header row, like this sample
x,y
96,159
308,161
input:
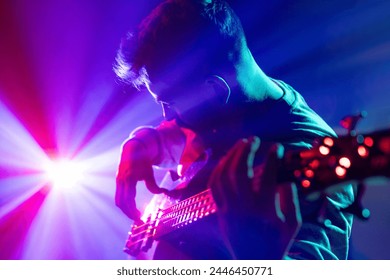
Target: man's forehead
x,y
172,75
170,84
164,89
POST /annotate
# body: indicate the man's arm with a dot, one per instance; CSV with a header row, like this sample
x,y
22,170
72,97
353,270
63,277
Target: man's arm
x,y
145,148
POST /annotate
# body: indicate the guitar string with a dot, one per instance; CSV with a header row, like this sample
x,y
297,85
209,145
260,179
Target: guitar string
x,y
149,228
191,212
183,205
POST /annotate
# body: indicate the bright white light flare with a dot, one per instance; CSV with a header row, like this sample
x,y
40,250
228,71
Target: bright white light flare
x,y
64,173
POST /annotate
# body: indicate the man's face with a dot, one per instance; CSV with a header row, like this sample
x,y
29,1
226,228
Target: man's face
x,y
192,102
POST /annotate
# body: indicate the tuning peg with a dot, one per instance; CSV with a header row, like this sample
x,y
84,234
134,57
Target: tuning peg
x,y
356,208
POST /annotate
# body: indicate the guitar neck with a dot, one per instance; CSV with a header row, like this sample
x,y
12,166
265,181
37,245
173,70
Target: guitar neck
x,y
185,212
338,160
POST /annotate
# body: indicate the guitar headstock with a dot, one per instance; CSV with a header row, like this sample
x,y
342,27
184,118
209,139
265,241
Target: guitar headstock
x,y
337,160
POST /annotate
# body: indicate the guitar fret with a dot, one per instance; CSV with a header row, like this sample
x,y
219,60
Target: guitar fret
x,y
186,212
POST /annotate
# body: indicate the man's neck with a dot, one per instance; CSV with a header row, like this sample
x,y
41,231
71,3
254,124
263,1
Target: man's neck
x,y
253,82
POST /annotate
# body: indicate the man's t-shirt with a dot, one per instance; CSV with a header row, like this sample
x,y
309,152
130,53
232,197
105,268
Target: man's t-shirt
x,y
325,230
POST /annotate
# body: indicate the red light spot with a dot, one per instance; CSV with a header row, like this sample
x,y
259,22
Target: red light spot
x,y
345,162
384,145
309,173
328,141
362,151
340,171
305,183
368,141
297,173
307,154
314,164
324,150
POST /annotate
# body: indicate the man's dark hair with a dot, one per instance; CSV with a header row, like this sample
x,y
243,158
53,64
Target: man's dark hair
x,y
208,30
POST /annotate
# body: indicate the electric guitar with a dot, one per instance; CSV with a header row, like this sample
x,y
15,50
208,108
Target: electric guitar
x,y
331,161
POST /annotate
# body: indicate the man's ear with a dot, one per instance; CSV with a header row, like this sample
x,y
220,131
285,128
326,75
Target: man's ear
x,y
220,87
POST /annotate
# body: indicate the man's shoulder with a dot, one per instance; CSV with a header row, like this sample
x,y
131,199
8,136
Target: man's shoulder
x,y
299,124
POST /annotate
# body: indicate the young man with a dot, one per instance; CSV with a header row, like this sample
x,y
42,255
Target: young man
x,y
193,58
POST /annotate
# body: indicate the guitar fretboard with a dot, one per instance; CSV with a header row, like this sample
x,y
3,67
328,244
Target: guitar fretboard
x,y
185,212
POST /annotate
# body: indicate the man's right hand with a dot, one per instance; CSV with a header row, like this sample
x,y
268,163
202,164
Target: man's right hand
x,y
259,217
135,165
